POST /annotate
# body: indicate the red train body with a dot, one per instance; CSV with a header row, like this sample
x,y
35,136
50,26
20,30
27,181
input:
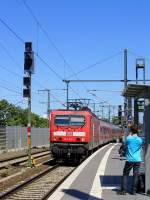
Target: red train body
x,y
75,133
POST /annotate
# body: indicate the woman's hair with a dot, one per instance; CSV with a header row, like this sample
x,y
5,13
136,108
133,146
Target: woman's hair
x,y
134,129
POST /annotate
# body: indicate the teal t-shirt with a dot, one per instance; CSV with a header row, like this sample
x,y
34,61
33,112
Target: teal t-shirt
x,y
133,148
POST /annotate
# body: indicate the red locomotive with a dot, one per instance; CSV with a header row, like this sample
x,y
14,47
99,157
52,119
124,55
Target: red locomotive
x,y
75,133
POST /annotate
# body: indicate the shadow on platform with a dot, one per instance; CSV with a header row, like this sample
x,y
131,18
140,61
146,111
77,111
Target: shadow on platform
x,y
79,194
114,181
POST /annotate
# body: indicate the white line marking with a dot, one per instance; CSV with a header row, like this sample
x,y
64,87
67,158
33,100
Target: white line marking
x,y
96,190
110,187
58,194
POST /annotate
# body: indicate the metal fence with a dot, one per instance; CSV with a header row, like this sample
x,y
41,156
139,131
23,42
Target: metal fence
x,y
15,137
2,137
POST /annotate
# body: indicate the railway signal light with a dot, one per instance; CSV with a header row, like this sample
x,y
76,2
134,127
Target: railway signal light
x,y
27,89
28,46
26,93
26,81
28,58
28,71
28,61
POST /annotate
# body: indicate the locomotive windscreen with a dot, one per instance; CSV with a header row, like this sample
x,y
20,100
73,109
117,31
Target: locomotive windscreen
x,y
69,120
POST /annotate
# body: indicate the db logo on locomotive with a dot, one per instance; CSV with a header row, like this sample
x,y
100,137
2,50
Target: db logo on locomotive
x,y
69,133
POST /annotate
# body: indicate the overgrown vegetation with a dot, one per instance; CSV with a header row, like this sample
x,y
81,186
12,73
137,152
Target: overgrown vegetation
x,y
12,115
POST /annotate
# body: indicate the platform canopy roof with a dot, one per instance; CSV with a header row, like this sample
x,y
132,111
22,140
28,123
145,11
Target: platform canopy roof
x,y
137,91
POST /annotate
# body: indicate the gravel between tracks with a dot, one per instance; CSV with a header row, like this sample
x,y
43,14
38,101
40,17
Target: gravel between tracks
x,y
23,174
40,187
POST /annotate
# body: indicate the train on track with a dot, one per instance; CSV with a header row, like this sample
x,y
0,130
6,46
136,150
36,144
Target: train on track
x,y
76,133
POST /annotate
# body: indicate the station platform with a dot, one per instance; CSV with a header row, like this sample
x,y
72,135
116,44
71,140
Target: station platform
x,y
98,178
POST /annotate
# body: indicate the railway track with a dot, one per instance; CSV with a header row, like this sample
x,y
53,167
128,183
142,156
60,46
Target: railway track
x,y
40,186
21,159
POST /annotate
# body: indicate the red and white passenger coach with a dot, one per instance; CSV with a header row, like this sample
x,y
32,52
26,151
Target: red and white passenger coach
x,y
75,133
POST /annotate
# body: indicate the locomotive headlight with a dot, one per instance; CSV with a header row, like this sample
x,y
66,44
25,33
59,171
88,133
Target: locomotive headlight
x,y
83,139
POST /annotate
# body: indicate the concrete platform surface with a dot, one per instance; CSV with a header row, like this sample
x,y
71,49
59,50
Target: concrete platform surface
x,y
98,178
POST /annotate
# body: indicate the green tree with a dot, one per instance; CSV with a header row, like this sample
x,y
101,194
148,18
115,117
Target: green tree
x,y
4,112
12,115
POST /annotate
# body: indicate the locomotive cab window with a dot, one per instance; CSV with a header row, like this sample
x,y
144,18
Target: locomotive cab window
x,y
77,120
62,120
69,120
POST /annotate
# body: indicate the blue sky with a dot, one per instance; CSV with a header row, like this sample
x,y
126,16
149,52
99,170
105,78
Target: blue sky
x,y
83,32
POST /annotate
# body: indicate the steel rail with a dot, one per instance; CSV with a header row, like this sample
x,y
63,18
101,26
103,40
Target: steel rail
x,y
19,159
25,183
48,194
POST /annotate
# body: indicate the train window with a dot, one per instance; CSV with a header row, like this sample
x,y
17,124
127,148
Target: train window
x,y
72,120
62,120
77,120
